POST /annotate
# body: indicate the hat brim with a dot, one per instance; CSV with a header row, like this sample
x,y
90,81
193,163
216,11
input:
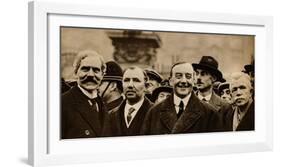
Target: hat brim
x,y
249,68
224,86
112,78
212,70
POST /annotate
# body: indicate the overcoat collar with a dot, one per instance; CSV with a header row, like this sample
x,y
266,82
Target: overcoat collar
x,y
88,110
215,100
190,116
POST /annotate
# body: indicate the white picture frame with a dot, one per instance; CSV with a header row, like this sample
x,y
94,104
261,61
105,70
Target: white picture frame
x,y
45,148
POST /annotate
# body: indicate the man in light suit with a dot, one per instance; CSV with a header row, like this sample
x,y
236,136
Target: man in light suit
x,y
127,119
82,110
206,74
182,112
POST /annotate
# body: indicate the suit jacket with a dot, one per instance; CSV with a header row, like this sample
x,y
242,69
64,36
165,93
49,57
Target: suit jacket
x,y
79,117
116,125
197,117
247,123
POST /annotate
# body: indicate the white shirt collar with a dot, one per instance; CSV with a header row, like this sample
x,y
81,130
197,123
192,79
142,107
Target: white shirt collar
x,y
208,97
136,106
91,96
177,101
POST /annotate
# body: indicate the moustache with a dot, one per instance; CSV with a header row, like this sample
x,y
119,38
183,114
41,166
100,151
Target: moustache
x,y
199,82
93,79
130,90
183,85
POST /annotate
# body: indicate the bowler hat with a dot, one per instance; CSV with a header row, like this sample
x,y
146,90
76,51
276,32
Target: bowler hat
x,y
153,75
249,68
113,72
223,86
209,64
165,87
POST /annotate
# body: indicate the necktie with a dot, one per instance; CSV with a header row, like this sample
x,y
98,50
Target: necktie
x,y
93,103
181,109
129,116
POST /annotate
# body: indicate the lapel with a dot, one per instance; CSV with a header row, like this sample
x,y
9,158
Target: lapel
x,y
168,114
248,118
215,100
228,121
190,115
87,112
137,122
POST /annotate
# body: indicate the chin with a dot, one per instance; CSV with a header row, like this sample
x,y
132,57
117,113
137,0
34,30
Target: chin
x,y
243,103
90,88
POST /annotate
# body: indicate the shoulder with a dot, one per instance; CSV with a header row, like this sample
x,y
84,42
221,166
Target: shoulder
x,y
165,104
147,102
70,93
120,108
204,107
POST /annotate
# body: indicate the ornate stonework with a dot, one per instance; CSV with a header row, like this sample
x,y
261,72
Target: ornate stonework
x,y
135,47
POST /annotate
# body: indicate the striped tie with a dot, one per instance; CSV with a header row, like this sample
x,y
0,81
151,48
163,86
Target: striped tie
x,y
129,116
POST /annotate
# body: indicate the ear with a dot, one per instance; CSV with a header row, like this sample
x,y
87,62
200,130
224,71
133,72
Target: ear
x,y
214,78
171,81
251,91
112,86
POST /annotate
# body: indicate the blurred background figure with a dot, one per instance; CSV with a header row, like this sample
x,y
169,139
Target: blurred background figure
x,y
111,88
224,92
162,92
153,82
250,70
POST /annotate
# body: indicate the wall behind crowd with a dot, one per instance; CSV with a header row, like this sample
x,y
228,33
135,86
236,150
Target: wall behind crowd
x,y
231,51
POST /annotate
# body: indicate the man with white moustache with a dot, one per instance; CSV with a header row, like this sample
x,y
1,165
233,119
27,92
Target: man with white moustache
x,y
240,117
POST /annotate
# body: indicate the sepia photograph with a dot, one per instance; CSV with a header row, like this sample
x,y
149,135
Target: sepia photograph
x,y
126,82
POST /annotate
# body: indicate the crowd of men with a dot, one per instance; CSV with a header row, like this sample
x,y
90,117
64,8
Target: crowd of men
x,y
107,101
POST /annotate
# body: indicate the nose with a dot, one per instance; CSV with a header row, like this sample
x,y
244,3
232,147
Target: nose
x,y
91,72
239,93
130,84
183,79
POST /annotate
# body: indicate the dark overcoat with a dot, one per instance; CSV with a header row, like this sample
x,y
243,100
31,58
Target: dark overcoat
x,y
197,117
80,116
116,125
247,123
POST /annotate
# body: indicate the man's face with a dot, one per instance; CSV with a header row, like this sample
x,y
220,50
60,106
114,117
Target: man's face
x,y
89,73
226,95
203,79
162,96
134,84
241,92
151,85
182,79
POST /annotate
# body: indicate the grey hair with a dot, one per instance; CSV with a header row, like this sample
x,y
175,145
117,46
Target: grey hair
x,y
87,53
240,76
